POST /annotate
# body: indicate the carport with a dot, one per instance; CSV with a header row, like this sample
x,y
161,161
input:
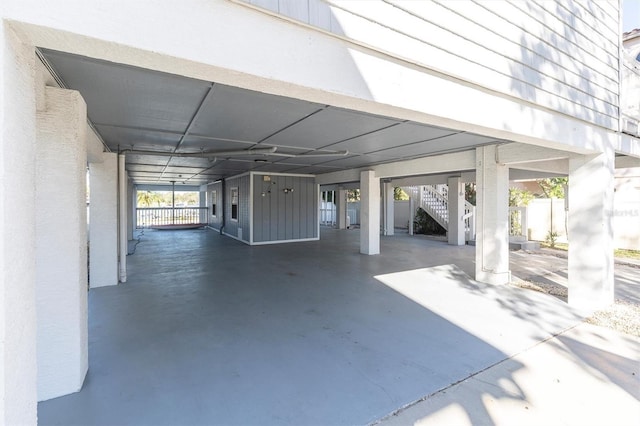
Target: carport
x,y
208,330
157,128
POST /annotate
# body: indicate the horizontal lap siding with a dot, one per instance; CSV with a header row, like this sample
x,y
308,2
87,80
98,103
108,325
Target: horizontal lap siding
x,y
559,55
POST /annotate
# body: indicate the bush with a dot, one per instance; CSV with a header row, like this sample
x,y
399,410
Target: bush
x,y
425,224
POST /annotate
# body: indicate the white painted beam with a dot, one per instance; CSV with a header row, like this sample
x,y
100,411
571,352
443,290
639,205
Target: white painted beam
x,y
436,164
625,162
515,153
553,167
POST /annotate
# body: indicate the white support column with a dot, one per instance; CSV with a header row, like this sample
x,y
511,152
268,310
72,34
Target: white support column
x,y
590,231
412,214
103,221
61,244
18,363
203,203
456,212
122,220
369,213
131,210
389,219
492,233
341,208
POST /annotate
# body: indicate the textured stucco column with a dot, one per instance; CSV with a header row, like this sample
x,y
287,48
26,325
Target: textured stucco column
x,y
123,203
103,221
341,208
18,365
456,230
61,243
369,213
389,207
492,210
590,231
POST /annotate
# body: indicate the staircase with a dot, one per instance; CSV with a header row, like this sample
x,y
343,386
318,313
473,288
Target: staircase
x,y
434,199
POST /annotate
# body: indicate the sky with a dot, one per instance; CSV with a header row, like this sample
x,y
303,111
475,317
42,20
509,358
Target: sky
x,y
630,15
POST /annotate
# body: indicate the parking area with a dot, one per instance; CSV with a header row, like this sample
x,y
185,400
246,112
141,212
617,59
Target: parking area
x,y
208,330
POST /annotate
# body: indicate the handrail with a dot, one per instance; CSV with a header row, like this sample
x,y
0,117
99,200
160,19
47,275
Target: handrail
x,y
160,216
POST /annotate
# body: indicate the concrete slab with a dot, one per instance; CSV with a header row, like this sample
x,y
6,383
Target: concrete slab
x,y
210,330
586,376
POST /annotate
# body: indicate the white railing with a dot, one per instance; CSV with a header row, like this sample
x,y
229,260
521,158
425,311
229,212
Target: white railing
x,y
518,224
434,199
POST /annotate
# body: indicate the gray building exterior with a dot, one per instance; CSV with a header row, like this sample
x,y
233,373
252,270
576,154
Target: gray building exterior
x,y
265,208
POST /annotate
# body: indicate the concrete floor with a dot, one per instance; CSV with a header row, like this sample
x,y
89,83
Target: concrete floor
x,y
210,331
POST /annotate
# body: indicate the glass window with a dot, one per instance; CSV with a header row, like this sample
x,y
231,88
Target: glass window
x,y
214,203
234,203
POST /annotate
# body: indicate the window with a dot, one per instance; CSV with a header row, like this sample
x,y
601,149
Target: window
x,y
234,204
214,202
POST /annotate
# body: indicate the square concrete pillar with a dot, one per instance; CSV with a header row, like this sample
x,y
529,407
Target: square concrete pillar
x,y
389,207
103,221
341,208
591,183
492,220
131,211
61,244
369,213
18,363
456,231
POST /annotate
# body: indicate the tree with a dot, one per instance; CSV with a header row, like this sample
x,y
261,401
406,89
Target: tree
x,y
147,198
399,194
553,187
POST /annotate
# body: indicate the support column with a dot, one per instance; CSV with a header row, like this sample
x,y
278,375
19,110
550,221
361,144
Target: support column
x,y
103,221
492,233
131,210
61,244
412,214
369,213
389,218
590,200
341,208
456,230
123,243
18,365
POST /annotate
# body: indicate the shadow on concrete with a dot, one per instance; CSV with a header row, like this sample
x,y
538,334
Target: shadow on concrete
x,y
209,330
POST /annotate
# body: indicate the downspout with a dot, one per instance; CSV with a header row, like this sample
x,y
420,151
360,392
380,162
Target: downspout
x,y
122,219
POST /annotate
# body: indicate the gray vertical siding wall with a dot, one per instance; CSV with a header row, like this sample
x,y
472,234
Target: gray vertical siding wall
x,y
215,221
280,216
231,226
561,55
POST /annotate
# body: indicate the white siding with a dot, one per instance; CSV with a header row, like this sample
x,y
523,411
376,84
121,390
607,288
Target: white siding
x,y
560,55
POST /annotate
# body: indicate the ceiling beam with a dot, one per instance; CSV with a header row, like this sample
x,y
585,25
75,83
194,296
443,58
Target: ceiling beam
x,y
443,163
624,162
516,153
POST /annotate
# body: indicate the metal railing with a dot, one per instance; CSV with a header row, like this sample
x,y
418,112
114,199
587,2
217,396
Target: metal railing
x,y
162,216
